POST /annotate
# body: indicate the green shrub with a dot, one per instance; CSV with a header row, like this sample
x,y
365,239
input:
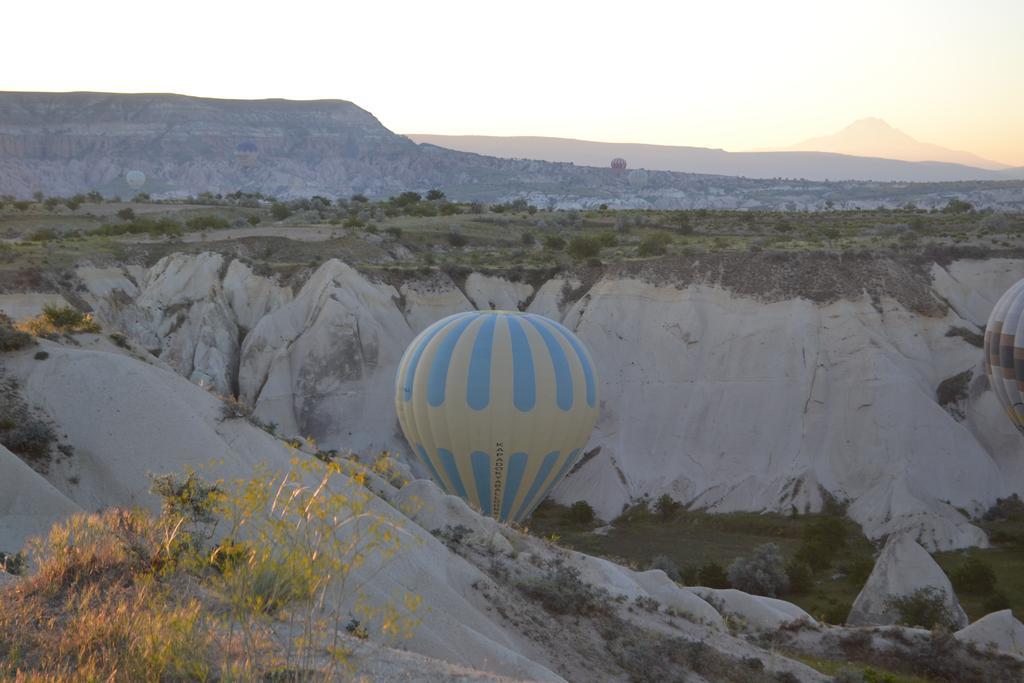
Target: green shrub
x,y
821,541
30,438
924,608
137,226
207,222
801,576
190,497
973,576
527,238
654,245
665,564
996,602
126,214
580,512
280,211
582,247
667,507
43,235
562,591
457,239
953,389
969,336
11,338
958,206
59,320
763,573
554,243
712,575
13,564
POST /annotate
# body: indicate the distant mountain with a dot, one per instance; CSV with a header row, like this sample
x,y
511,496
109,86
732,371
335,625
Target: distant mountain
x,y
807,165
872,137
65,143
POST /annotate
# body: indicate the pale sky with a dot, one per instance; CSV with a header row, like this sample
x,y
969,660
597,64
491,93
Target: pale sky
x,y
729,74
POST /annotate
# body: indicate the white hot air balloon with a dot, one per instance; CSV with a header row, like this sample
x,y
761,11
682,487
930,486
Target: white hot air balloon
x,y
135,179
498,406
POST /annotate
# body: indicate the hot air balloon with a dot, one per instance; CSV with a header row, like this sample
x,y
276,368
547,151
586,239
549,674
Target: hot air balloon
x,y
135,179
498,406
1004,352
637,178
245,153
618,164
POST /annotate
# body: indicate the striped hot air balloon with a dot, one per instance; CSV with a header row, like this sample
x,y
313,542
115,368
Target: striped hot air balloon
x,y
498,405
1004,352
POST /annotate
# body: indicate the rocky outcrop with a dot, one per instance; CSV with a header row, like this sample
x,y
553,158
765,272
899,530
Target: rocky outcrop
x,y
902,568
29,505
128,419
999,630
64,143
753,612
190,311
721,400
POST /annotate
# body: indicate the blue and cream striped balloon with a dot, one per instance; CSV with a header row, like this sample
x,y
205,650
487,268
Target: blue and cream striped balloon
x,y
498,405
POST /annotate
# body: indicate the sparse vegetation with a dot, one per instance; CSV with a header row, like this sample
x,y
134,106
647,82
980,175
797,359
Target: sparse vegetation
x,y
762,573
123,596
562,591
972,338
924,608
665,564
59,320
654,245
580,512
714,541
137,226
953,390
12,338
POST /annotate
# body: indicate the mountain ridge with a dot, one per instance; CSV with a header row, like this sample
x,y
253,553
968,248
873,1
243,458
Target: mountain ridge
x,y
811,165
875,137
67,143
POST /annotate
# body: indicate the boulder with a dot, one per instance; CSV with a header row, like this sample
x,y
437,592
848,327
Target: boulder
x,y
902,568
1000,630
756,611
487,292
434,510
29,505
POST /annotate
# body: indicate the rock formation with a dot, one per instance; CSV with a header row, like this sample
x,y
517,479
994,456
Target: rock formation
x,y
834,381
902,568
65,143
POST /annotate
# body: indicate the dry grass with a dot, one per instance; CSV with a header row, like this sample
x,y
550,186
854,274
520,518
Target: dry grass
x,y
97,608
56,320
126,596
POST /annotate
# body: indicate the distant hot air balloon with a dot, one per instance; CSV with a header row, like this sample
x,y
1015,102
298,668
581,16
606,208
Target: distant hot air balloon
x,y
618,164
498,406
245,153
135,179
1004,353
637,178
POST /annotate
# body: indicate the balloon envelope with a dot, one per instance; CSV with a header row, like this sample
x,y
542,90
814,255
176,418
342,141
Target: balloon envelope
x,y
135,179
245,152
498,406
1004,352
619,164
637,178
